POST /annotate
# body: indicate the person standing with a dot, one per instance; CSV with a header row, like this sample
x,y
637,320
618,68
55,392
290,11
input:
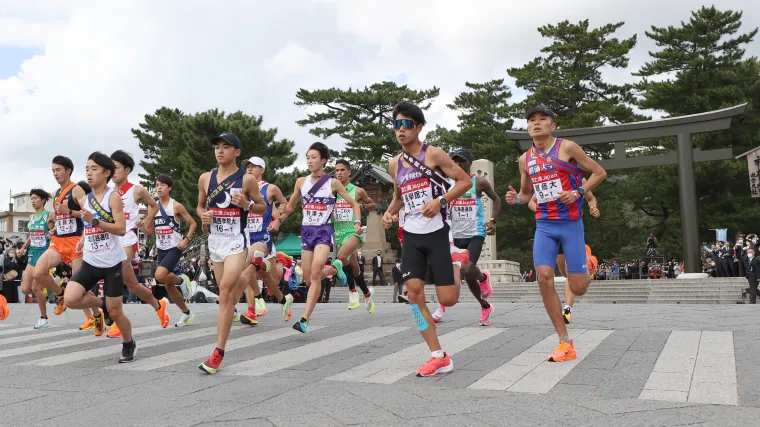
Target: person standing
x,y
753,272
377,268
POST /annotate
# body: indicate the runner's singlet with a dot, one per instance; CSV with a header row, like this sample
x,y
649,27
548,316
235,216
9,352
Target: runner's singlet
x,y
260,223
416,190
550,176
228,220
101,249
131,208
343,215
38,231
168,234
65,224
467,218
319,209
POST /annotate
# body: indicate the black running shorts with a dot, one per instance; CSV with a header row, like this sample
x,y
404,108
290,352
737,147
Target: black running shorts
x,y
89,276
419,249
168,259
474,246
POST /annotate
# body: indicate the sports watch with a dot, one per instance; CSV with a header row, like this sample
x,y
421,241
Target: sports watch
x,y
581,191
95,222
443,201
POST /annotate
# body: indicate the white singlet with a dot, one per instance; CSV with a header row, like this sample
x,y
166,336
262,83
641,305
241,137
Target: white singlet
x,y
101,249
131,214
319,209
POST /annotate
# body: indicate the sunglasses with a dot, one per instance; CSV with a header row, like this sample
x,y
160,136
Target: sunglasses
x,y
407,123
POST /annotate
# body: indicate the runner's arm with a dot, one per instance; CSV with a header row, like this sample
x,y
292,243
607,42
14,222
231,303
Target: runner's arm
x,y
396,201
276,194
289,207
119,225
598,174
532,203
337,187
201,209
182,212
142,195
462,182
77,194
251,185
362,196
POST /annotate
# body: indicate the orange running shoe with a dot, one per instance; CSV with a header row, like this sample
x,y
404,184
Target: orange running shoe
x,y
563,352
249,318
4,310
436,365
99,323
212,364
114,332
88,324
162,315
60,306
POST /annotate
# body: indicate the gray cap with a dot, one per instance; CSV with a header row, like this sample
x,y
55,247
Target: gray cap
x,y
539,109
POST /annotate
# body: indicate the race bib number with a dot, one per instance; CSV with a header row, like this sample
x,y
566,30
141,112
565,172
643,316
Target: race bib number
x,y
225,222
255,223
415,194
164,238
547,191
38,238
96,240
65,224
315,214
343,212
464,209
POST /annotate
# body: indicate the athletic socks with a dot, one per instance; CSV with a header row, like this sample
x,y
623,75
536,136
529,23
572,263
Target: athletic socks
x,y
186,312
438,353
564,339
362,284
349,271
221,352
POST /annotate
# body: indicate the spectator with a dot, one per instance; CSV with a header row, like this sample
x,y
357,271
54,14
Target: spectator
x,y
398,284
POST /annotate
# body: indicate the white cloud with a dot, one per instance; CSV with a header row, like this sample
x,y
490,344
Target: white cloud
x,y
107,64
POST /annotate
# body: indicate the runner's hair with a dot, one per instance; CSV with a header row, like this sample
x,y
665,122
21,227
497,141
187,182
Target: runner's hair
x,y
42,194
104,162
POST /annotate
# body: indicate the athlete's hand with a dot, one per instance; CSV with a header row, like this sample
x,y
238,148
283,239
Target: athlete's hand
x,y
281,208
183,244
567,197
80,246
431,208
394,218
387,220
63,208
21,251
274,226
87,216
594,210
511,196
358,228
490,228
240,201
51,233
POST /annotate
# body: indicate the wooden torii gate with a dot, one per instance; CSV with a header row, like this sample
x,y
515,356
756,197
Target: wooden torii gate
x,y
685,156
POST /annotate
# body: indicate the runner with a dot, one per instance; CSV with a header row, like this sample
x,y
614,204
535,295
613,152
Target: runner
x,y
348,241
263,262
559,189
469,229
223,195
562,265
424,194
89,314
105,223
40,224
318,193
67,234
170,244
131,195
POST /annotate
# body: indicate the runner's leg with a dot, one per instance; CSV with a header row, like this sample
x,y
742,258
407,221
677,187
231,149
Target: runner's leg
x,y
319,258
228,273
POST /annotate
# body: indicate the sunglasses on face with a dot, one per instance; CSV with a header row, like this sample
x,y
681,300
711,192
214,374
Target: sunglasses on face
x,y
407,123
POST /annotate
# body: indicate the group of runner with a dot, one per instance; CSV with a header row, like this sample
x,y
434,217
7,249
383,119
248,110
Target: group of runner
x,y
437,202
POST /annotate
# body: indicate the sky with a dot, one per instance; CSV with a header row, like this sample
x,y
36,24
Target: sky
x,y
77,75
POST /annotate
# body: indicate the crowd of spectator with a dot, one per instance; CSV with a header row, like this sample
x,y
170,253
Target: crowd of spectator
x,y
726,259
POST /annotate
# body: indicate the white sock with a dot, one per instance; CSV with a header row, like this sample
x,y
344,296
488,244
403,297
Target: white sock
x,y
439,354
568,308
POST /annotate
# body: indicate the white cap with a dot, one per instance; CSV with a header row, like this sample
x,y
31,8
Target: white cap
x,y
256,161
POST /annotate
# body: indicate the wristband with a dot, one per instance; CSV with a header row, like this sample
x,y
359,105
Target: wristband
x,y
250,205
356,221
518,199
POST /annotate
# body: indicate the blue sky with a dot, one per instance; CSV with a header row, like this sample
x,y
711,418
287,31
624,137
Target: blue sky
x,y
11,59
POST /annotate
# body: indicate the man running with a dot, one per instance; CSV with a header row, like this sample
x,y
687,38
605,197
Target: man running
x,y
170,243
424,194
469,229
318,193
562,265
103,213
40,225
348,241
263,262
546,170
68,231
223,195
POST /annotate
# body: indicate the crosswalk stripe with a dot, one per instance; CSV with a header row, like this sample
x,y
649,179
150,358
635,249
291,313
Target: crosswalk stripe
x,y
20,329
530,372
68,343
296,356
110,350
195,353
695,366
395,366
35,335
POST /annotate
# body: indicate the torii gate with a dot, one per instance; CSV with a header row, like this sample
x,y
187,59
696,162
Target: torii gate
x,y
683,128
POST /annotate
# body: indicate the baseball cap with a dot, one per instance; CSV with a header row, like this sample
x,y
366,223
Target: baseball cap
x,y
229,138
539,109
256,161
462,153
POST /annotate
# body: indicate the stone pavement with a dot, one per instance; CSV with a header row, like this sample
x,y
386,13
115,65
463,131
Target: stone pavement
x,y
647,365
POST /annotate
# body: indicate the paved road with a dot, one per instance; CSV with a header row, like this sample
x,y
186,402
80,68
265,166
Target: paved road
x,y
645,365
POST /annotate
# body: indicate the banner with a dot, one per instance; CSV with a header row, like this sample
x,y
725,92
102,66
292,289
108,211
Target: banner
x,y
753,164
721,234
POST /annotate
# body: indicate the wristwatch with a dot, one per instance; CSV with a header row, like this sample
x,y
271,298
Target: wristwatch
x,y
581,191
95,222
443,201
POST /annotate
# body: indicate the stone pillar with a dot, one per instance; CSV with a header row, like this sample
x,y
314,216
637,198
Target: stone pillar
x,y
375,238
484,169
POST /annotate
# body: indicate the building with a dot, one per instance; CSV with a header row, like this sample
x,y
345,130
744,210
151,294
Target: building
x,y
13,222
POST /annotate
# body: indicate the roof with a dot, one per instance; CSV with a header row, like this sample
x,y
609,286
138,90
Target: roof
x,y
369,173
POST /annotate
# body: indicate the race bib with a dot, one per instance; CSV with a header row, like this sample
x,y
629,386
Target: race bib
x,y
65,224
343,212
255,223
225,222
164,238
415,194
314,214
38,238
547,191
464,209
96,240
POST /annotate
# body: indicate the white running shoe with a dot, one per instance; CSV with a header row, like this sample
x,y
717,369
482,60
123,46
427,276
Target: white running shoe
x,y
286,306
184,288
438,314
353,300
185,320
41,323
260,306
368,303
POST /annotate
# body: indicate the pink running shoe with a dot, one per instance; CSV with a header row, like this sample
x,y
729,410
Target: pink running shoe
x,y
485,315
486,290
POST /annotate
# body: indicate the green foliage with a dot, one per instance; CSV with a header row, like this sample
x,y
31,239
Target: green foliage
x,y
178,144
363,118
